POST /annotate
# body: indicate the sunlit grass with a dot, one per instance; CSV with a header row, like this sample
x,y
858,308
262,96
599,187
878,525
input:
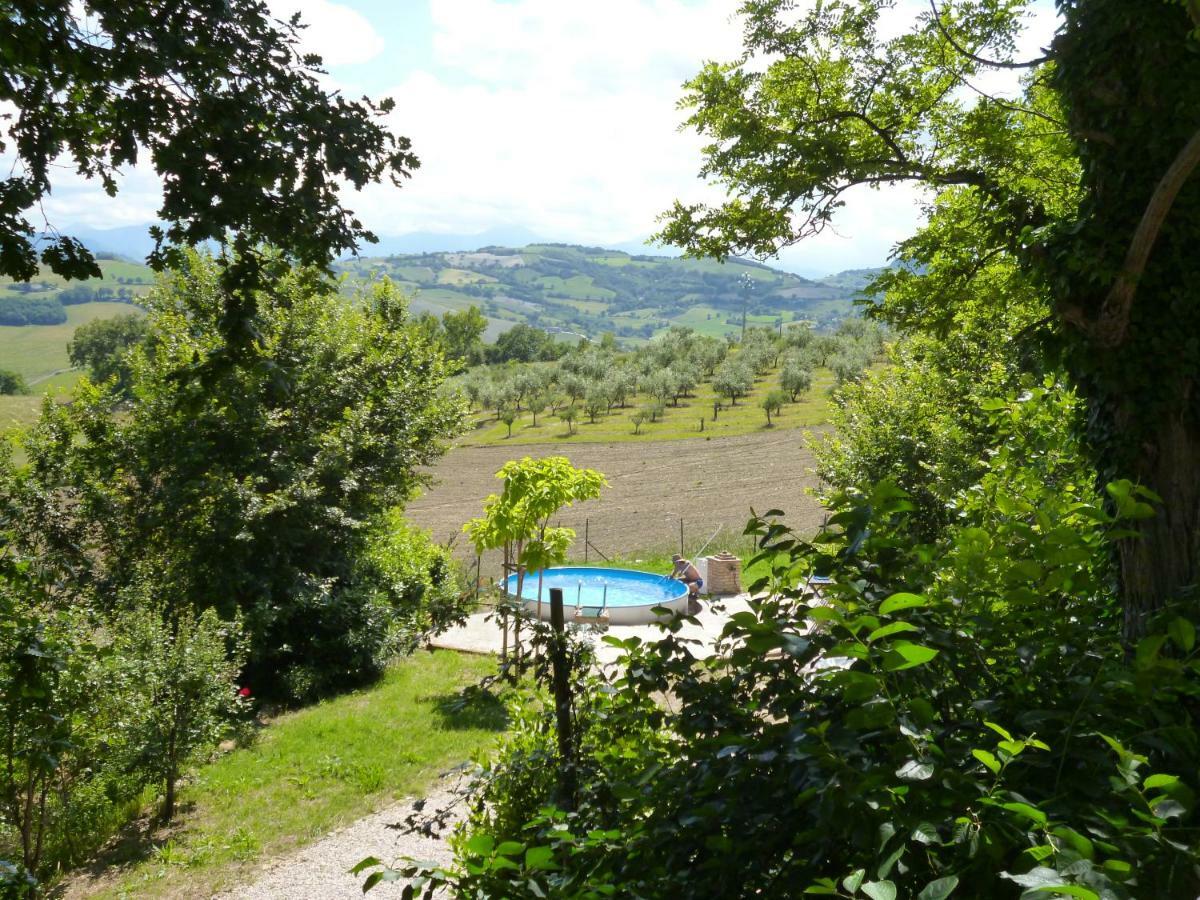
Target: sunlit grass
x,y
315,770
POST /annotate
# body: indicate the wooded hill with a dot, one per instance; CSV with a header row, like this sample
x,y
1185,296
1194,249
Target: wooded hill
x,y
590,290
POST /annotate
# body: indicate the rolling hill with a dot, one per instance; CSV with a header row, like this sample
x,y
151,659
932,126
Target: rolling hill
x,y
591,290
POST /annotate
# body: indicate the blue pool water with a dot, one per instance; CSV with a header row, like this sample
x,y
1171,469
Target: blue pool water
x,y
586,586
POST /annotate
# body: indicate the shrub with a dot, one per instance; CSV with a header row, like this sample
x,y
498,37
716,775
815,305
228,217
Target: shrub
x,y
920,423
248,484
174,674
12,383
403,565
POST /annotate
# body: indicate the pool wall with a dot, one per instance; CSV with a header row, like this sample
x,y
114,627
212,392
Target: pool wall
x,y
634,614
617,615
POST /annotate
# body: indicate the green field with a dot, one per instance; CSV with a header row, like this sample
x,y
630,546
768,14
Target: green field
x,y
39,354
678,422
38,351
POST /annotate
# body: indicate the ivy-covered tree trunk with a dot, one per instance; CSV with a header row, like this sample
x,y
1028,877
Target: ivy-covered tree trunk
x,y
1162,561
1127,272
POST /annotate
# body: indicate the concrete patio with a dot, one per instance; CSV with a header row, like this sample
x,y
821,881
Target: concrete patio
x,y
481,634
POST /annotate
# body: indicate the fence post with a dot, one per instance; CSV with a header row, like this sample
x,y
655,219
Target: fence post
x,y
681,535
562,700
478,575
503,615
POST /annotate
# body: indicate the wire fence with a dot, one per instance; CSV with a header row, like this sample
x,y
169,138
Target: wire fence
x,y
610,540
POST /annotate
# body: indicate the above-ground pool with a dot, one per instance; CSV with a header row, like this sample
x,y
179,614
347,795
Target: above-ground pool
x,y
627,597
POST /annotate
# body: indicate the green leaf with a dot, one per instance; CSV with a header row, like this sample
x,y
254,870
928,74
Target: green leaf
x,y
880,890
539,858
1070,890
854,880
889,630
1032,813
481,845
988,760
900,601
939,889
1000,731
1183,634
510,848
825,886
905,655
365,864
1076,841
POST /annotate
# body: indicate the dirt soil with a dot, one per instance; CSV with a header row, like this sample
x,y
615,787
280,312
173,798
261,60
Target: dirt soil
x,y
652,485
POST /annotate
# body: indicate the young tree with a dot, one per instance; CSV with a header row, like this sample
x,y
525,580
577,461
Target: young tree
x,y
773,403
686,379
508,415
795,378
639,418
596,403
186,675
659,385
252,493
536,404
518,518
733,380
569,414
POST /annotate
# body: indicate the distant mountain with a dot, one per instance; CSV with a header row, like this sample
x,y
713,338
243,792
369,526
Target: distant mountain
x,y
592,290
432,242
131,241
856,280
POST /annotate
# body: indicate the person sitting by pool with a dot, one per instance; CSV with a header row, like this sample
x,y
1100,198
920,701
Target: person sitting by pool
x,y
687,573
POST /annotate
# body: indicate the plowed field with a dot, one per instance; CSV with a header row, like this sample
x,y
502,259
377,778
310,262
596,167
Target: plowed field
x,y
707,483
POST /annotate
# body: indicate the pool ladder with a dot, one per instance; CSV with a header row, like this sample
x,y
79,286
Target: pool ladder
x,y
601,613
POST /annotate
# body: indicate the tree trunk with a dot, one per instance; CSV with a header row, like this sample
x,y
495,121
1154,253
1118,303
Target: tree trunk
x,y
1157,565
172,775
1124,274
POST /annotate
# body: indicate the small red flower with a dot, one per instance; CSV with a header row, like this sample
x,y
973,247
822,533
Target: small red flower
x,y
244,692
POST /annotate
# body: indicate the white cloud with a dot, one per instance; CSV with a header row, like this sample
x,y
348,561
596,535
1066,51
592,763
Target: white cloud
x,y
338,33
563,119
558,116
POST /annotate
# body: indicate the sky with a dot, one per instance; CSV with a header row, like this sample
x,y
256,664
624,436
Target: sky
x,y
554,116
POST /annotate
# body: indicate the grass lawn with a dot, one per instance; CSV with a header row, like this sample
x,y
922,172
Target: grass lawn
x,y
678,422
312,771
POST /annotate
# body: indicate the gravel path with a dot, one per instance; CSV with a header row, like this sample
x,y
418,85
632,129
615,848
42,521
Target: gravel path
x,y
321,871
